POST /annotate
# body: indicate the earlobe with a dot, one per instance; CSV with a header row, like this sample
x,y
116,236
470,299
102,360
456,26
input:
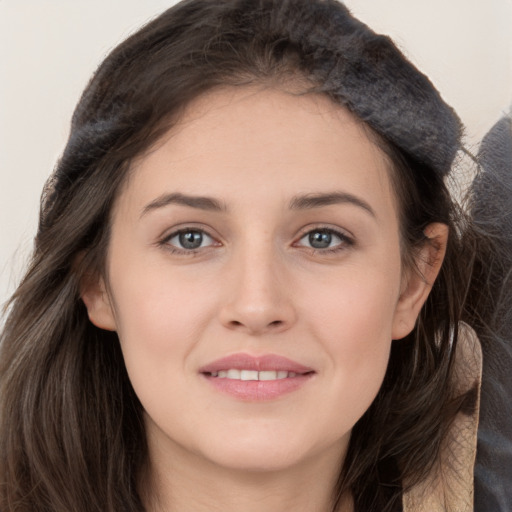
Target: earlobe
x,y
419,281
97,301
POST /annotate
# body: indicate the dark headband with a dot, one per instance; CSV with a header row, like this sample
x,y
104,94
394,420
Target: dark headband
x,y
368,73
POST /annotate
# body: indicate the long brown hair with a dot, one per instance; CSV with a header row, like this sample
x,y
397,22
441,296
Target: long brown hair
x,y
71,430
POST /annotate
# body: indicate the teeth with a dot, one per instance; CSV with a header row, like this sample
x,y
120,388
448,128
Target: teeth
x,y
249,375
235,374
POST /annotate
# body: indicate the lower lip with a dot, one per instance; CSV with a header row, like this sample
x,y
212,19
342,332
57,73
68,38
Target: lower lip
x,y
258,390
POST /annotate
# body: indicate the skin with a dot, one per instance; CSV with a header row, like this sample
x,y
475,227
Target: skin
x,y
256,285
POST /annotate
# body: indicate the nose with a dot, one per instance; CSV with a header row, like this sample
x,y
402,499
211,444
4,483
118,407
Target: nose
x,y
258,294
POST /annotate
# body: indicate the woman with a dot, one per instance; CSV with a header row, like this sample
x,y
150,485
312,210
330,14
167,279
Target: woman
x,y
248,280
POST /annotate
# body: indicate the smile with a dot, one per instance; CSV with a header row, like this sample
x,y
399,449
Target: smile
x,y
256,378
253,374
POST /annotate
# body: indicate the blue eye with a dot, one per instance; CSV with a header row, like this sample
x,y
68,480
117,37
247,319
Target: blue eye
x,y
189,239
325,239
320,239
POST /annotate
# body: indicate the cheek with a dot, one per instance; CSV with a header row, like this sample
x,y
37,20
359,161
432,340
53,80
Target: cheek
x,y
158,317
353,322
356,305
159,324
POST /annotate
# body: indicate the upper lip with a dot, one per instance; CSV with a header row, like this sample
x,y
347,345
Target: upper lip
x,y
267,362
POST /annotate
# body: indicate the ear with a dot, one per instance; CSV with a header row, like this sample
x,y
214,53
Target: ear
x,y
417,282
97,301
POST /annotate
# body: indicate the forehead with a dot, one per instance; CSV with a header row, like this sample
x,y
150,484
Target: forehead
x,y
243,143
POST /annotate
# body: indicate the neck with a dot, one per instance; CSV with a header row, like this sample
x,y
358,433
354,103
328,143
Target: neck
x,y
186,482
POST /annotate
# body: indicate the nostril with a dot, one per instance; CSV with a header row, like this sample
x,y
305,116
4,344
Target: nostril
x,y
273,325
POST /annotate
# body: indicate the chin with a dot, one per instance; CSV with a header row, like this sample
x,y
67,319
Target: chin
x,y
276,451
263,458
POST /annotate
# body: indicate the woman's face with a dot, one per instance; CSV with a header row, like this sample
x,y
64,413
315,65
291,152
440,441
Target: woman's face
x,y
258,240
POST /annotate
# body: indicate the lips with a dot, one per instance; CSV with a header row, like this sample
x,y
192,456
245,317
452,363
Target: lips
x,y
235,374
269,362
256,378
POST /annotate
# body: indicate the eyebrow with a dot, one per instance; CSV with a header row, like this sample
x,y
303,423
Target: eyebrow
x,y
302,202
199,202
310,201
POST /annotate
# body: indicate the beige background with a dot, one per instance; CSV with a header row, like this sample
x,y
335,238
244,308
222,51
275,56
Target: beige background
x,y
49,48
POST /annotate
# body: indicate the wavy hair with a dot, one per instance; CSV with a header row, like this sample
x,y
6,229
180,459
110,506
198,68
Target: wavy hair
x,y
72,435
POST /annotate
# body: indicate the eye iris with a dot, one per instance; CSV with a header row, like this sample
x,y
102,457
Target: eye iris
x,y
320,239
191,239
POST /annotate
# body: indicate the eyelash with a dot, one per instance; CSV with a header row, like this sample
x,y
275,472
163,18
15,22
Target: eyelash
x,y
165,242
345,241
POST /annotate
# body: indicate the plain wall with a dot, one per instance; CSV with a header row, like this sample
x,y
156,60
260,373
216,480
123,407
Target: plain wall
x,y
49,49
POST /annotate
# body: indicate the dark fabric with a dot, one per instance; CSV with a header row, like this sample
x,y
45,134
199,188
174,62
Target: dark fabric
x,y
493,213
369,74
